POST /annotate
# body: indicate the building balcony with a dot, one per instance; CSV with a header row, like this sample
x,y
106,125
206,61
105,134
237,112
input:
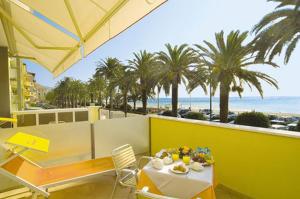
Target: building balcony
x,y
28,84
249,162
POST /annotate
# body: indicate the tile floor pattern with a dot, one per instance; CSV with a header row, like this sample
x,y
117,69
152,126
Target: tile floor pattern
x,y
101,188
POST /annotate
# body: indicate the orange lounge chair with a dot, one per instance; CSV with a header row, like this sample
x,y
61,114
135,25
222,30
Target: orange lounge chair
x,y
39,179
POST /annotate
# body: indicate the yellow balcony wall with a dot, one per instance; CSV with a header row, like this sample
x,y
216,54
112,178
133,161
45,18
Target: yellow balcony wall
x,y
254,163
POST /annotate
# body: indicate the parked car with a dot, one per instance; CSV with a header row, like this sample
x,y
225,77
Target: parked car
x,y
292,126
182,112
279,127
231,116
205,111
279,122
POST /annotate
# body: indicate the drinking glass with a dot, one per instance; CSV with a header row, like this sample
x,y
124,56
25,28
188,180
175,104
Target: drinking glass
x,y
175,157
186,159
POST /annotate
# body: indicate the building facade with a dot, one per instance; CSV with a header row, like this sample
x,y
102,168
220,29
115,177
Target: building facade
x,y
24,90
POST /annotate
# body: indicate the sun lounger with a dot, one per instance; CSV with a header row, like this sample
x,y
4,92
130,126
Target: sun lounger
x,y
39,179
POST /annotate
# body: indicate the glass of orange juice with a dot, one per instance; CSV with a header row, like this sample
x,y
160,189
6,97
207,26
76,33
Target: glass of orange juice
x,y
175,156
186,159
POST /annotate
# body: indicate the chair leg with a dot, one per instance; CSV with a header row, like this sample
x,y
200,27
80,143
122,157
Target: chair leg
x,y
130,192
34,195
114,189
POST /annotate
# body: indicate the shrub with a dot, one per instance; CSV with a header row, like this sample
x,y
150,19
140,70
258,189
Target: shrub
x,y
253,119
298,126
195,116
167,113
140,111
129,108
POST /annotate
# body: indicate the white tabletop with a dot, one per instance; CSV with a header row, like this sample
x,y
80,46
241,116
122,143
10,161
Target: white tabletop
x,y
180,185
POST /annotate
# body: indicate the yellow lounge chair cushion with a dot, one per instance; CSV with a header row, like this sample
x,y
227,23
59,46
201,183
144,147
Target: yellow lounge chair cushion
x,y
29,141
43,176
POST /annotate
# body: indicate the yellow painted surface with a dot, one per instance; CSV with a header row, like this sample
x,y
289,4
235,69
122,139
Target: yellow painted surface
x,y
29,141
259,165
4,119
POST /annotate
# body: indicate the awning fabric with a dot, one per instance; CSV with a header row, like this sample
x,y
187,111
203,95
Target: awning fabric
x,y
87,24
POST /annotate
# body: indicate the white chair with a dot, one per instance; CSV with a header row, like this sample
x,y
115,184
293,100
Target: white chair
x,y
144,193
126,166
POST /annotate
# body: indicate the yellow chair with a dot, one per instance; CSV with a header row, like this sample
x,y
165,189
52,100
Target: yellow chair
x,y
126,166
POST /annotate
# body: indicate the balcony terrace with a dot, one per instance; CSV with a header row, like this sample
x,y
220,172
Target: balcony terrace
x,y
250,162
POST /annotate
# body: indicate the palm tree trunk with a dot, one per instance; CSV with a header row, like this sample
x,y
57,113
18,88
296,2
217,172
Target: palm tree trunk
x,y
224,100
100,99
144,101
125,104
92,97
134,104
174,99
110,103
158,101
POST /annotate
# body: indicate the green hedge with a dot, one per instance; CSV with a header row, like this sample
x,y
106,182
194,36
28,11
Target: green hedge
x,y
129,108
253,119
298,126
195,116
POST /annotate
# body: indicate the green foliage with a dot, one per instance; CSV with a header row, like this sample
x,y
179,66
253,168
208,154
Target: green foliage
x,y
68,93
195,116
129,107
167,113
50,97
145,68
277,30
140,111
253,119
229,62
176,64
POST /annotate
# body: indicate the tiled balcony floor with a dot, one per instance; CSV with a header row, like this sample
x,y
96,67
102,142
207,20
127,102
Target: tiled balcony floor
x,y
101,188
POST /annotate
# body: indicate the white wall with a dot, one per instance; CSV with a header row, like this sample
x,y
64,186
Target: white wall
x,y
70,142
113,133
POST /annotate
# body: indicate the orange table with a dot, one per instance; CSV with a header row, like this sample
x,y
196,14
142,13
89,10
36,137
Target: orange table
x,y
175,185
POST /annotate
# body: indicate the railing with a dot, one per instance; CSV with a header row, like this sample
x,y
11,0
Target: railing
x,y
56,116
51,116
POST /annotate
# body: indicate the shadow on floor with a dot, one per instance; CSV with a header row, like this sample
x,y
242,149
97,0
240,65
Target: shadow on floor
x,y
101,188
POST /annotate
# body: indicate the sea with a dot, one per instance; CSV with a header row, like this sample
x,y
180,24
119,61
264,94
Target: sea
x,y
289,105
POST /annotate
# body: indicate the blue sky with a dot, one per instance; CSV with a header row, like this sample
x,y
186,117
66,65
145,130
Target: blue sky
x,y
191,22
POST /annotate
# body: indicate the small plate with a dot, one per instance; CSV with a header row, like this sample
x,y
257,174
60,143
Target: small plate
x,y
179,172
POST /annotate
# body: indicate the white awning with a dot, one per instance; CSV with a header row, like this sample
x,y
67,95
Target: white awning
x,y
86,25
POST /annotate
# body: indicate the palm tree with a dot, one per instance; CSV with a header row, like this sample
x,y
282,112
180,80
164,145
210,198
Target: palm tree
x,y
92,87
199,76
134,93
176,63
145,66
229,61
126,80
109,69
278,29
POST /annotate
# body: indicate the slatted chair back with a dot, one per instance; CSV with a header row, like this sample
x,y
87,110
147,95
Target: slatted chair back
x,y
124,157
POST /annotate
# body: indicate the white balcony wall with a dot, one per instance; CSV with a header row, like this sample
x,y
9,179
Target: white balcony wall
x,y
71,142
110,134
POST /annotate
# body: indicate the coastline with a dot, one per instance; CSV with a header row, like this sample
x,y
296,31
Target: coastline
x,y
196,108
